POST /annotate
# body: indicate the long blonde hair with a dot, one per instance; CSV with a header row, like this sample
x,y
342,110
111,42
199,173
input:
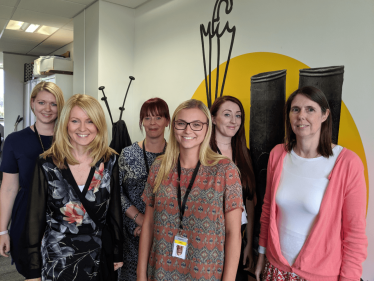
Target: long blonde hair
x,y
207,156
52,88
61,149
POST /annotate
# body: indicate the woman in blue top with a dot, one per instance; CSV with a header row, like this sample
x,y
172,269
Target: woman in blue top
x,y
21,149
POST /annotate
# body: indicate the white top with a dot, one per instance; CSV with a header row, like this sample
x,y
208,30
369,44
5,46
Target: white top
x,y
299,195
81,187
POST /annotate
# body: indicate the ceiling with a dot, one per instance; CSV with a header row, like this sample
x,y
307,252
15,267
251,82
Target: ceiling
x,y
55,13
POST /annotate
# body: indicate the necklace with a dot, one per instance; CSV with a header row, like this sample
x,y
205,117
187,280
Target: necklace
x,y
36,132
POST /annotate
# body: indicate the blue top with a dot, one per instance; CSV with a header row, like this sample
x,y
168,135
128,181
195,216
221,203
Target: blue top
x,y
21,149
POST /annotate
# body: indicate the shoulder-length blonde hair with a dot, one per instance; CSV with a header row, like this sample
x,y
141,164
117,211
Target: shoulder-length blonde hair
x,y
52,88
207,156
61,149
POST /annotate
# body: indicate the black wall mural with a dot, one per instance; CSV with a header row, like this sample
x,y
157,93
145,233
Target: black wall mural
x,y
268,95
330,81
214,35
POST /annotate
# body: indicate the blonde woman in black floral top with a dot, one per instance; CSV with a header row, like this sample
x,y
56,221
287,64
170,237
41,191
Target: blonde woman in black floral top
x,y
74,223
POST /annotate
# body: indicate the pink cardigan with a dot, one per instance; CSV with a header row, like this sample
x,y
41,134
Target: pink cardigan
x,y
336,245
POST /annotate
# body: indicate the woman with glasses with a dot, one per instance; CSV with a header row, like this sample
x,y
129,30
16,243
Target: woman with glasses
x,y
134,164
228,139
193,196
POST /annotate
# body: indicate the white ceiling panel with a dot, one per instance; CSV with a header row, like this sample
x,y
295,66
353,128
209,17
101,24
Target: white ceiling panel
x,y
6,12
128,3
40,18
11,36
59,8
10,3
16,48
69,26
42,51
3,22
60,37
84,2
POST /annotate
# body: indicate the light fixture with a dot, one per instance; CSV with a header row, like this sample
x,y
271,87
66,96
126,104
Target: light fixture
x,y
15,25
46,30
32,28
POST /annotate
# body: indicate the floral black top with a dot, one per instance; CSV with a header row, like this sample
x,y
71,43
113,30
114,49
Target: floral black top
x,y
67,229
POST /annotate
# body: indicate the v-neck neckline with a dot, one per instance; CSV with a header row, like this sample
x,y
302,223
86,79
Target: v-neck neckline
x,y
81,194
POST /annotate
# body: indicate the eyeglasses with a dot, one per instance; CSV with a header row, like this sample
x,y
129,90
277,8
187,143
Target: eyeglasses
x,y
195,126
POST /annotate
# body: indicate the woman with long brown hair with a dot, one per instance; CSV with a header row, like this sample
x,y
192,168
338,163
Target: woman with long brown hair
x,y
228,138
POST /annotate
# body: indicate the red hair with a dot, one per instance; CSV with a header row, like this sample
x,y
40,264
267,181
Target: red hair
x,y
154,107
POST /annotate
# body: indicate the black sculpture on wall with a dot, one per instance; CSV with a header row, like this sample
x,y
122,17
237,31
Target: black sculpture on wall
x,y
330,81
212,32
268,95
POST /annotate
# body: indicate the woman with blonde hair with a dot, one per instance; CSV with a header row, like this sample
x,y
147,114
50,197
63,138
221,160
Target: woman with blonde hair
x,y
20,152
74,223
193,200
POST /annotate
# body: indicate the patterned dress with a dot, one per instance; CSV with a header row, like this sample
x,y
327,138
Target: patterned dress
x,y
71,229
133,176
216,191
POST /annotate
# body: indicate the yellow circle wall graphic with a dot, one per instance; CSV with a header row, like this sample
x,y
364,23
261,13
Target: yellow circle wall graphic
x,y
238,84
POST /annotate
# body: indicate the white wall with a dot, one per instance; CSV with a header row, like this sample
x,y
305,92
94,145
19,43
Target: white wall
x,y
116,59
68,47
13,89
168,59
86,43
104,47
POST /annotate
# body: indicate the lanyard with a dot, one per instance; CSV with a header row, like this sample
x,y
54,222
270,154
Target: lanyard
x,y
182,207
37,134
233,154
146,158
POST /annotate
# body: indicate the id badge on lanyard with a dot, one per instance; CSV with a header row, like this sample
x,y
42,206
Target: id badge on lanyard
x,y
180,244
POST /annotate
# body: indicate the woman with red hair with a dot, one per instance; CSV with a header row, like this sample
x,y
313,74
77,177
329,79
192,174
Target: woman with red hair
x,y
134,164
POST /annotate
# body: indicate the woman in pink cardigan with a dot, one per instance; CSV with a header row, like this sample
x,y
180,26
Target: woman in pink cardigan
x,y
313,217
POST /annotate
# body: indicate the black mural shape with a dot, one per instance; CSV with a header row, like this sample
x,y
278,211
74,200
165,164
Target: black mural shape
x,y
268,95
212,31
330,81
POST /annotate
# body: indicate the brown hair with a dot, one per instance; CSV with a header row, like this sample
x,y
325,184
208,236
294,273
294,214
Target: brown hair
x,y
239,147
154,107
325,139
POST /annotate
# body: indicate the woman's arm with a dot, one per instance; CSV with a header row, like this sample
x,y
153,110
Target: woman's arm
x,y
130,210
8,192
248,254
145,243
232,244
354,240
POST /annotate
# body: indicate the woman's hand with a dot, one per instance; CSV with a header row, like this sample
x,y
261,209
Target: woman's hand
x,y
248,255
34,279
260,266
137,231
117,265
139,219
4,245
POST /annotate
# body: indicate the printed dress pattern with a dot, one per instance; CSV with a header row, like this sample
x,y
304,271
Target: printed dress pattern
x,y
132,177
216,191
72,243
